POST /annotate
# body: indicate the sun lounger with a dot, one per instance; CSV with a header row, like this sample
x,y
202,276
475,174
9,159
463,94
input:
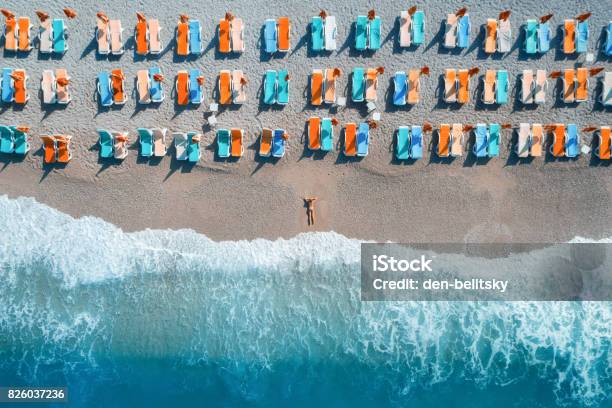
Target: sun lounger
x,y
540,87
181,144
196,90
544,37
536,140
418,27
237,32
329,31
265,142
116,37
317,39
282,87
572,141
371,85
456,148
8,89
59,36
145,138
270,36
582,36
450,86
106,142
278,143
502,87
237,147
350,140
504,36
400,88
223,143
142,85
490,42
270,87
606,89
608,43
463,31
444,140
374,40
522,145
154,37
195,37
414,86
569,82
193,147
358,85
7,143
63,148
582,84
62,92
558,146
329,89
182,39
450,31
238,91
103,37
141,36
181,87
155,87
602,151
45,37
49,153
402,144
316,87
24,28
120,145
493,140
363,139
224,36
159,141
416,142
463,86
527,87
20,140
118,87
531,36
480,140
569,36
361,33
225,87
284,34
327,135
314,133
47,87
20,87
405,38
11,40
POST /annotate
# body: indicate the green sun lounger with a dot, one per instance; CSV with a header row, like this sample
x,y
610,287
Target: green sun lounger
x,y
193,149
282,90
223,143
316,33
7,144
327,135
270,87
418,27
493,140
361,32
502,87
59,36
20,141
402,144
145,137
358,85
531,37
374,34
106,144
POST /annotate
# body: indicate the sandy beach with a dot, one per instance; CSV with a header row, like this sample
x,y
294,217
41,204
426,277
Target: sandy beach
x,y
502,199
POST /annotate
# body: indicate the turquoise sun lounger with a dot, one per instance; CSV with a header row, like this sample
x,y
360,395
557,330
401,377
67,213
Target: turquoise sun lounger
x,y
59,36
416,142
418,27
20,141
493,140
327,135
463,31
223,143
278,143
145,137
316,33
582,36
361,33
270,87
270,36
8,89
196,96
480,140
400,88
374,34
7,143
195,37
502,87
402,144
531,36
608,42
105,92
193,149
543,37
282,88
106,144
358,85
363,139
155,88
572,141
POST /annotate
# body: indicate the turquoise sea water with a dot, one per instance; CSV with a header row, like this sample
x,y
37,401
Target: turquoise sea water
x,y
171,318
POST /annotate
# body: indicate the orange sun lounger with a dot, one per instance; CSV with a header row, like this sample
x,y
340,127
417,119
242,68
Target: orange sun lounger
x,y
457,140
490,45
48,149
414,86
62,92
582,84
488,94
330,86
265,143
463,91
182,88
117,80
284,34
603,148
238,89
237,147
450,86
558,146
569,79
314,133
24,34
224,36
10,35
182,38
142,46
537,137
444,140
64,153
225,87
569,40
371,85
316,87
350,139
21,86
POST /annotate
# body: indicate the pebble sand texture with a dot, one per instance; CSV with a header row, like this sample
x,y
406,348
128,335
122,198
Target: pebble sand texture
x,y
373,198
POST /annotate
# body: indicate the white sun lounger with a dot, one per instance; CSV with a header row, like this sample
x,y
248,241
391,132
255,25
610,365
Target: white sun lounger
x,y
47,87
329,32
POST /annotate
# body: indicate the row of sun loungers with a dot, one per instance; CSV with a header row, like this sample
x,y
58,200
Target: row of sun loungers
x,y
189,87
14,86
277,35
56,148
54,87
323,32
276,87
113,144
368,33
14,140
232,87
323,86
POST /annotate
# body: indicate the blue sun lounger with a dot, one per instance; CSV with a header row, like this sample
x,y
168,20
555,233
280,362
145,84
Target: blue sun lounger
x,y
195,89
582,36
193,149
8,89
105,93
316,33
493,140
282,88
195,37
270,87
543,37
358,85
361,33
59,36
531,37
608,42
278,143
223,143
363,139
20,141
502,87
416,142
463,31
402,144
480,140
374,34
400,88
106,143
572,141
270,36
155,88
7,144
418,27
145,137
327,135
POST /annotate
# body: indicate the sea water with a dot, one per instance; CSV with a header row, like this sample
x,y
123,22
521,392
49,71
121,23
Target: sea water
x,y
172,318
